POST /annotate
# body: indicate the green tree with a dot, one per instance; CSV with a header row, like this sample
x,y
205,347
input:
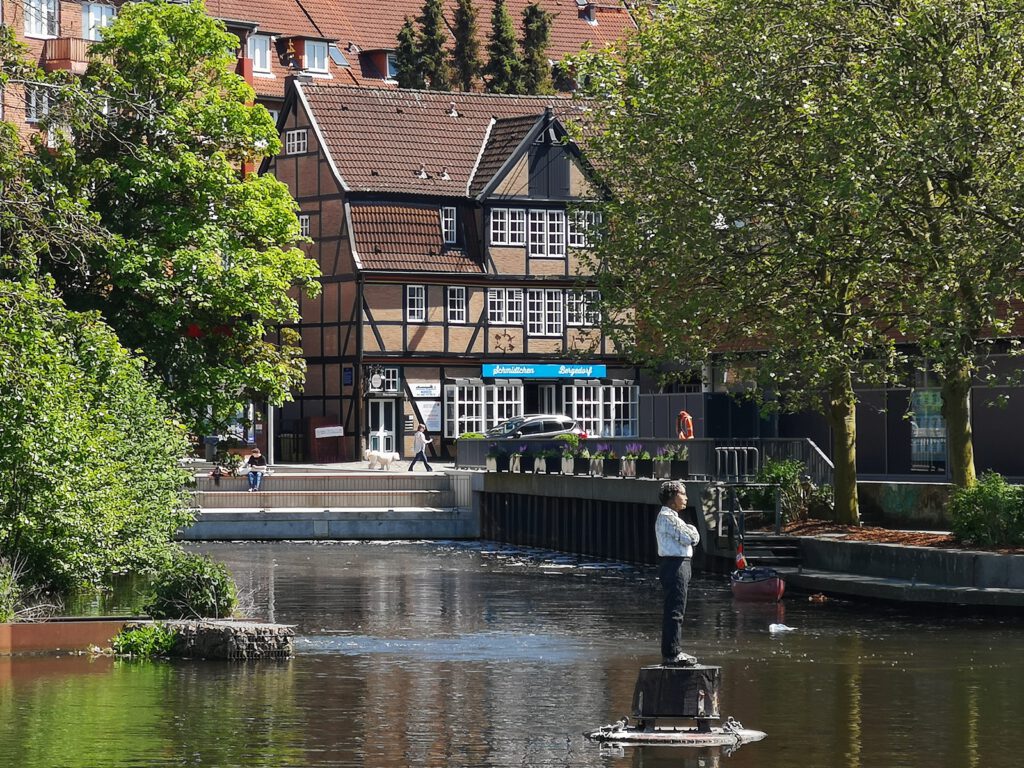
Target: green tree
x,y
466,63
204,263
408,59
536,67
503,71
946,86
89,484
738,142
433,57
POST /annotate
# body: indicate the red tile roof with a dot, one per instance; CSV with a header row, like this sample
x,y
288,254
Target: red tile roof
x,y
394,140
391,236
374,25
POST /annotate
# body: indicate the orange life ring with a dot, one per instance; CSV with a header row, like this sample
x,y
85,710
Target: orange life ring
x,y
684,425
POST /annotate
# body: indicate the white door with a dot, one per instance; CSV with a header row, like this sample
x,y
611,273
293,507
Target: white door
x,y
381,435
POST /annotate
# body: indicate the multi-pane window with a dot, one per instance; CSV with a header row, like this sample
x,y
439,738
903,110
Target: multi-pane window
x,y
546,235
415,303
582,225
295,142
448,224
603,410
41,18
581,308
304,225
389,379
456,304
505,306
476,407
37,104
259,52
508,226
544,316
316,55
95,18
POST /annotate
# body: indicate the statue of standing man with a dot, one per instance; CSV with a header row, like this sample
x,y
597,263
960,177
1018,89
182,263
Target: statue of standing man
x,y
676,540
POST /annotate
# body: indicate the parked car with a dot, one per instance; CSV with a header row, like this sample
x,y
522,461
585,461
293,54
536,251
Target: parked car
x,y
537,425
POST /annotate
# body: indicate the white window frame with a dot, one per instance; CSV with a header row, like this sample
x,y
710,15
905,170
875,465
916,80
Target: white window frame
x,y
415,303
508,226
505,306
574,308
448,224
546,230
591,307
476,407
296,141
554,313
316,56
603,410
456,303
41,18
259,53
304,224
37,104
581,225
95,18
390,380
392,65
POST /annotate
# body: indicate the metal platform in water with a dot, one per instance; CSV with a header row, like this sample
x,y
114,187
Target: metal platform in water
x,y
731,734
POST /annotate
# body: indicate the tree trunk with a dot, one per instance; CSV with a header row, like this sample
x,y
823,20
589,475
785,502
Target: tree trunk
x,y
842,417
956,393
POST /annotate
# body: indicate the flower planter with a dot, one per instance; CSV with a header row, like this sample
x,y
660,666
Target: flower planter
x,y
612,467
568,465
581,466
645,467
550,464
680,468
597,466
628,467
663,469
497,463
515,462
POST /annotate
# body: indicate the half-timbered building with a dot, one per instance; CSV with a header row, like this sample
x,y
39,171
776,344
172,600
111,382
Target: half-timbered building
x,y
448,233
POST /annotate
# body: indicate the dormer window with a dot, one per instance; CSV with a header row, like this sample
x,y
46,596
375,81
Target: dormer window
x,y
448,233
316,56
392,66
259,52
95,18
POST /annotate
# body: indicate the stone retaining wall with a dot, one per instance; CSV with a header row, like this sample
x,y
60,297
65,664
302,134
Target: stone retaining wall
x,y
230,640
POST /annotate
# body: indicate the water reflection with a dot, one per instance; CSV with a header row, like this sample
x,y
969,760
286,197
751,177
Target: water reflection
x,y
450,655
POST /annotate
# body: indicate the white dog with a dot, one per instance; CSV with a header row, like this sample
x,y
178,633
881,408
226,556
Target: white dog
x,y
382,459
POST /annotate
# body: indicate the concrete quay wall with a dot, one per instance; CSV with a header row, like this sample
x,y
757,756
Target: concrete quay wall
x,y
946,567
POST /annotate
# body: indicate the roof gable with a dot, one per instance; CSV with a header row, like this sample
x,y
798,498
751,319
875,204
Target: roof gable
x,y
420,142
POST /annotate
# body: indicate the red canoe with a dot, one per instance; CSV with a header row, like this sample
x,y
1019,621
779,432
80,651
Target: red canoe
x,y
757,584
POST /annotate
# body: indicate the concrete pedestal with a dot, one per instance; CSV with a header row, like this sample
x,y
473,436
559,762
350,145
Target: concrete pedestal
x,y
677,692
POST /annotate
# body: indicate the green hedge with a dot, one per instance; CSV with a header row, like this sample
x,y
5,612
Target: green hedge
x,y
193,587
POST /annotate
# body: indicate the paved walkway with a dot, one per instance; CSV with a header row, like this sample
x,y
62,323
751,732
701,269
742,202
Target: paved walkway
x,y
437,465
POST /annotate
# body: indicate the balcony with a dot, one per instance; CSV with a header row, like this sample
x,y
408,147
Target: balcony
x,y
66,53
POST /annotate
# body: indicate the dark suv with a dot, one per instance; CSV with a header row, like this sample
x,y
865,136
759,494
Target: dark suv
x,y
536,425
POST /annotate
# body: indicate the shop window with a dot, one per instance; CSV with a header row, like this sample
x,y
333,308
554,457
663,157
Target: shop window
x,y
476,407
603,410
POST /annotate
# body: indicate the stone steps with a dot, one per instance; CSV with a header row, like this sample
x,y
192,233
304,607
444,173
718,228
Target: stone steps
x,y
294,481
313,523
324,499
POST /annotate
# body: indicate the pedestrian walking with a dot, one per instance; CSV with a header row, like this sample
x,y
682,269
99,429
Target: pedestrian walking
x,y
419,446
676,540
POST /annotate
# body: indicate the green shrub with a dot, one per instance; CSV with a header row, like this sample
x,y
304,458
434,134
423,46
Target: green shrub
x,y
193,586
10,591
990,513
471,436
145,641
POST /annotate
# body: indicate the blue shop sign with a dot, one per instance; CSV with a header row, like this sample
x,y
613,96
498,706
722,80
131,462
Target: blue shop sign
x,y
544,371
